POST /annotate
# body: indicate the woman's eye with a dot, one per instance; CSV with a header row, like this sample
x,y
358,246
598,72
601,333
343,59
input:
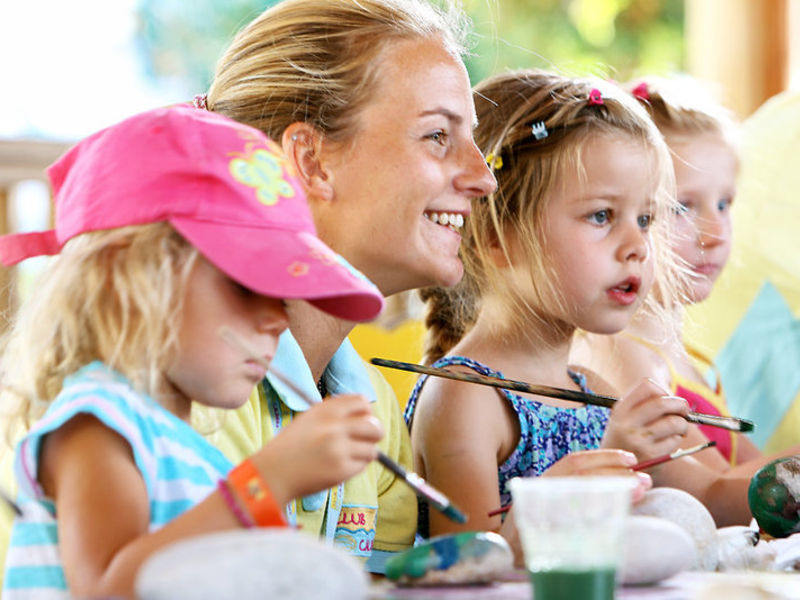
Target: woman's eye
x,y
601,217
439,136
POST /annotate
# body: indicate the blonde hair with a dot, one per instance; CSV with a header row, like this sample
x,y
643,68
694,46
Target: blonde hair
x,y
113,296
316,61
681,106
529,171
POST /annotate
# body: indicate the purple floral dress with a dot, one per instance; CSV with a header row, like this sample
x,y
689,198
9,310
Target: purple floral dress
x,y
547,433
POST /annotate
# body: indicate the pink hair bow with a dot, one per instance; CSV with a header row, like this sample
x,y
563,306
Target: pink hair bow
x,y
595,97
641,92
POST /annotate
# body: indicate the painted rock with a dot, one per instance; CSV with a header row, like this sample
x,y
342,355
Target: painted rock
x,y
655,549
468,557
774,497
252,564
741,548
687,511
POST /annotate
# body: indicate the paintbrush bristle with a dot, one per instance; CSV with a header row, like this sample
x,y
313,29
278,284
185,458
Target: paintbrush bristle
x,y
452,513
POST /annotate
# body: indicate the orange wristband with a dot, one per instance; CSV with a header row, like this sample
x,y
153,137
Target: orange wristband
x,y
254,494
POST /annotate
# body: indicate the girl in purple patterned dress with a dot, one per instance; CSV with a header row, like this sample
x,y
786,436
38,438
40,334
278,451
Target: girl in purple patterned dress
x,y
568,242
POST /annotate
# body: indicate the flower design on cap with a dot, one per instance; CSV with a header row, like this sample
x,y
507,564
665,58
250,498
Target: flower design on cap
x,y
323,255
263,170
298,269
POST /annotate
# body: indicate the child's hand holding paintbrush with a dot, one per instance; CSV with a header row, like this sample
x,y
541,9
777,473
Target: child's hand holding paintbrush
x,y
417,483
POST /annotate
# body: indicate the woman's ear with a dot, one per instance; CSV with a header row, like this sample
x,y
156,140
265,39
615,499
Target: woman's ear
x,y
302,144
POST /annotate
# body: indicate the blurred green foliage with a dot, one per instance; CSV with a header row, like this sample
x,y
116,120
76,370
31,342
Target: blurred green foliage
x,y
610,38
182,41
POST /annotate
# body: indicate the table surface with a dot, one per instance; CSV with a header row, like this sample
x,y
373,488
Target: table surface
x,y
689,585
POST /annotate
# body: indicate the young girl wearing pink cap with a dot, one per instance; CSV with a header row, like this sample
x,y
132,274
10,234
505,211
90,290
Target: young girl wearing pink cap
x,y
159,220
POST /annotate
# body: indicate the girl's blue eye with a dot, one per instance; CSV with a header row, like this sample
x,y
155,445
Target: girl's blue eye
x,y
600,217
724,204
644,221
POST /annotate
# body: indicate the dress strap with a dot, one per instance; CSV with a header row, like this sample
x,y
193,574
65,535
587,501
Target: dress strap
x,y
448,361
703,358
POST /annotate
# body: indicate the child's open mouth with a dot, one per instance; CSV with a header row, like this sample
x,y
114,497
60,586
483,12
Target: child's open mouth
x,y
627,291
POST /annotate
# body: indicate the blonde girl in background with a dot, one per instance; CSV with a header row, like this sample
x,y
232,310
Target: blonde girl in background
x,y
371,103
703,142
702,139
157,219
570,240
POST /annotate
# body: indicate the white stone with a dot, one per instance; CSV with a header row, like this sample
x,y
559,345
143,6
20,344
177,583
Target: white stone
x,y
251,565
739,549
654,549
687,511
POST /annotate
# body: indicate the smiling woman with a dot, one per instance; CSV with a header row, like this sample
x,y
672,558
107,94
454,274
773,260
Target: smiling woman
x,y
372,104
413,157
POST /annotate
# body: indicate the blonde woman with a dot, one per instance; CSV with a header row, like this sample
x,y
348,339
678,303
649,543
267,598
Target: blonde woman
x,y
372,105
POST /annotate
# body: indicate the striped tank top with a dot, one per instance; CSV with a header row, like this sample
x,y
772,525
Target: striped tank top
x,y
178,466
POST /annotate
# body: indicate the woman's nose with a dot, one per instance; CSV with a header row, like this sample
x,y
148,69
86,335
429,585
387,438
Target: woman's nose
x,y
476,179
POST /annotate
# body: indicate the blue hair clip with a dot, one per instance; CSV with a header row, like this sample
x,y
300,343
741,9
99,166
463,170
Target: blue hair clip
x,y
539,131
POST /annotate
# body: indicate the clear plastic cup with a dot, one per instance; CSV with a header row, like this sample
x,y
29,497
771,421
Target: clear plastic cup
x,y
571,532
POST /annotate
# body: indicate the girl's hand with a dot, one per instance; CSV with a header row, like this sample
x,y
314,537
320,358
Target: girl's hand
x,y
647,421
609,462
329,443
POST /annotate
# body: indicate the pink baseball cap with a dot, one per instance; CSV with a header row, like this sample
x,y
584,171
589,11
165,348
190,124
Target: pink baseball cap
x,y
222,185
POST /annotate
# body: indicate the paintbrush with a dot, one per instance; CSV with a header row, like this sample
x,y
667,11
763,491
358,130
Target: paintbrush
x,y
731,423
645,464
421,487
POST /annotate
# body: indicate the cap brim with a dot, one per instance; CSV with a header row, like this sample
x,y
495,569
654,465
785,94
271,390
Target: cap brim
x,y
285,264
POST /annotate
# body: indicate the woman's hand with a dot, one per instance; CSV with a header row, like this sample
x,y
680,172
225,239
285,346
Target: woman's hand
x,y
647,421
